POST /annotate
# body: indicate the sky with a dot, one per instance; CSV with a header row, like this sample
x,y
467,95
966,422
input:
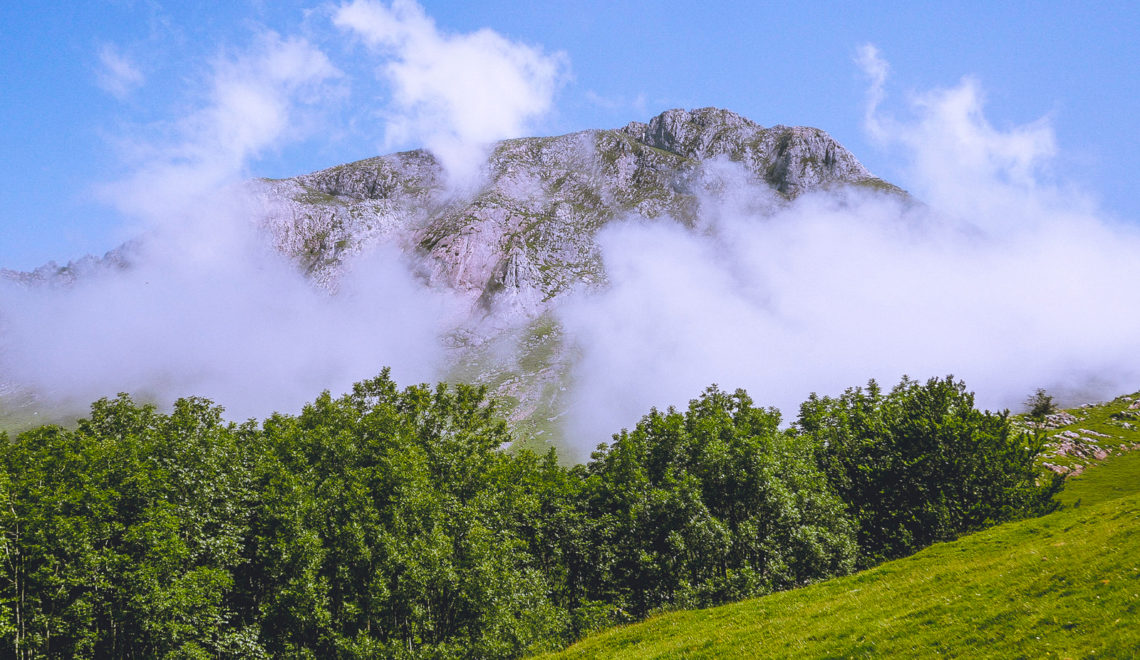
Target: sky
x,y
1013,124
88,87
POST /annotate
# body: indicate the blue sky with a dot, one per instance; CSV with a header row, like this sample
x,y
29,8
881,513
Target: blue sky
x,y
88,86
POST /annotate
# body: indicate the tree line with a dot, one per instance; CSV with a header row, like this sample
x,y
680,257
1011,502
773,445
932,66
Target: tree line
x,y
389,523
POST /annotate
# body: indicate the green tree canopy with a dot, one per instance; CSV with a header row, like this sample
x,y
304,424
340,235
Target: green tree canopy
x,y
920,464
710,505
390,522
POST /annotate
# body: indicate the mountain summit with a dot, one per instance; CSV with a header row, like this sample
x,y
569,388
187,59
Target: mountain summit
x,y
524,234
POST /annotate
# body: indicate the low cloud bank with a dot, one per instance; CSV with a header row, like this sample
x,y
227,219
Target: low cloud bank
x,y
207,308
1005,280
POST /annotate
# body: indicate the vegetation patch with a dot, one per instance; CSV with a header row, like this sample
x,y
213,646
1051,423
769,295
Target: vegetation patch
x,y
1063,585
388,523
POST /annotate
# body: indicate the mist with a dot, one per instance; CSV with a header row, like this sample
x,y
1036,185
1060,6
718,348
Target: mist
x,y
992,272
206,307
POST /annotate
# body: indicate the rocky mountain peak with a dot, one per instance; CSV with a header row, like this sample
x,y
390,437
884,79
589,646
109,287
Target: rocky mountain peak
x,y
700,133
526,234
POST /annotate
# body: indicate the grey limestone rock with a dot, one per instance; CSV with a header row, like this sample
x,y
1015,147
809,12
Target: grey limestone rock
x,y
525,234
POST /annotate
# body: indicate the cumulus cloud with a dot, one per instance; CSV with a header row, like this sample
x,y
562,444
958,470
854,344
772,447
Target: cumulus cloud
x,y
953,151
117,75
253,101
1003,279
455,93
207,307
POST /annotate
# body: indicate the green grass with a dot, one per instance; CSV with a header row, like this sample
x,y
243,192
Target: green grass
x,y
1115,477
1063,585
20,411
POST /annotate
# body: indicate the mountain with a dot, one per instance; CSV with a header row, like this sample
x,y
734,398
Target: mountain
x,y
516,241
512,244
525,234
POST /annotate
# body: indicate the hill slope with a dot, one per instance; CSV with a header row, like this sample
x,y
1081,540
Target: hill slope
x,y
1066,584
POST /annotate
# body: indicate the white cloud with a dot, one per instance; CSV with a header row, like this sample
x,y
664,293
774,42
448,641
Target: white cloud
x,y
207,307
117,74
876,69
953,150
1005,279
253,102
456,93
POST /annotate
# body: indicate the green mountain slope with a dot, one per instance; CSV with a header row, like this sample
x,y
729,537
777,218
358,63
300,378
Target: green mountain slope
x,y
1064,585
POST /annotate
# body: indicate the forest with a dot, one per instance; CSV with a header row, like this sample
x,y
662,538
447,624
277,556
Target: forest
x,y
392,522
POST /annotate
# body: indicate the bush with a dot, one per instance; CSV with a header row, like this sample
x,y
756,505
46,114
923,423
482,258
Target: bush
x,y
1040,405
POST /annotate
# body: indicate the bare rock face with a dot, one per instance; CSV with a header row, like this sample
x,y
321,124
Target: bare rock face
x,y
525,234
323,218
703,133
791,159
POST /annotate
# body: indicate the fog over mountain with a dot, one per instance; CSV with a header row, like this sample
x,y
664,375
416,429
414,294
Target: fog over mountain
x,y
584,277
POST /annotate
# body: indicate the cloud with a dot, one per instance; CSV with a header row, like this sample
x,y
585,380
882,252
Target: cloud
x,y
207,307
1004,278
253,100
953,151
117,75
876,69
455,93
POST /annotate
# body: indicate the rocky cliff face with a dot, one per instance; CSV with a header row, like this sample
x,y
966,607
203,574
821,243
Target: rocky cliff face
x,y
525,234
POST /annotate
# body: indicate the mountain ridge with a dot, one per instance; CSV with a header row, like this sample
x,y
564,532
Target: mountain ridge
x,y
493,245
515,242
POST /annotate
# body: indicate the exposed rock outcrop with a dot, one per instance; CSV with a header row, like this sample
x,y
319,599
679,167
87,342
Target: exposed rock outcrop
x,y
525,234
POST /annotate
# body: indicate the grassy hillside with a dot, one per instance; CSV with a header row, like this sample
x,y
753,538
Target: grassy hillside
x,y
1064,585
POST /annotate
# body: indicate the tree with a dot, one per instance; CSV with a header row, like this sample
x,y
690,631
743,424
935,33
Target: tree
x,y
124,534
398,529
1040,405
920,464
707,506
